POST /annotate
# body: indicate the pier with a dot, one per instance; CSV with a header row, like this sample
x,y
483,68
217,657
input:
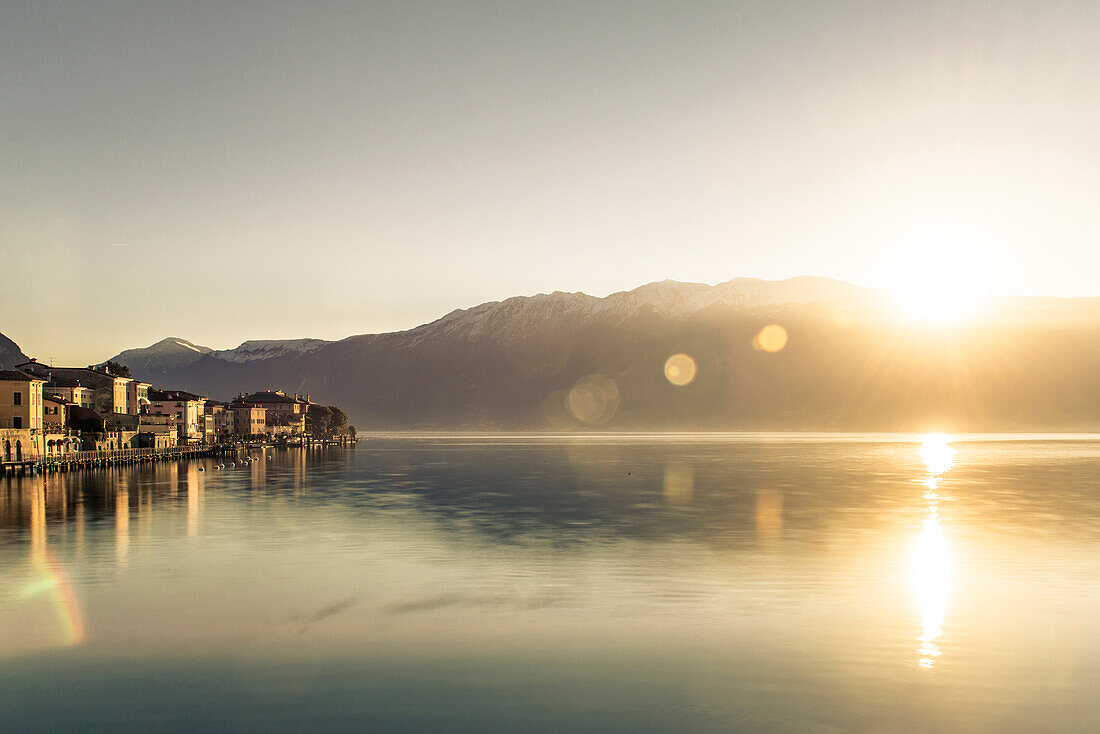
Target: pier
x,y
86,459
89,459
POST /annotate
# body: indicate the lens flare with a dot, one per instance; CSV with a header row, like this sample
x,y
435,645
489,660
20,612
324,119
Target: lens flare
x,y
556,410
62,596
52,579
680,370
594,399
771,338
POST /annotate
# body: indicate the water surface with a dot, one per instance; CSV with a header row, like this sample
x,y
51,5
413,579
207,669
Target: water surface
x,y
751,583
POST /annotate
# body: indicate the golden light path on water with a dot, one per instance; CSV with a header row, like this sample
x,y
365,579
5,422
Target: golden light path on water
x,y
932,561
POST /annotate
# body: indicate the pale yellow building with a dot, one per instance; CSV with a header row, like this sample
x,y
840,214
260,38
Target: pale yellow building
x,y
20,401
249,420
71,392
55,412
137,396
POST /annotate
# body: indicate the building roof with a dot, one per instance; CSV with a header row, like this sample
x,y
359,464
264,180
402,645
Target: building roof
x,y
53,399
271,396
17,376
87,374
63,381
180,395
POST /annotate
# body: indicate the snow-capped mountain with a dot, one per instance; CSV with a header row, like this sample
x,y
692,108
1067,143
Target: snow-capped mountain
x,y
169,360
156,361
256,349
523,315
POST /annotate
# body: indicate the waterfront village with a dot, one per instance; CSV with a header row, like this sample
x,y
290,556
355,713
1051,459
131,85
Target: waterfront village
x,y
52,414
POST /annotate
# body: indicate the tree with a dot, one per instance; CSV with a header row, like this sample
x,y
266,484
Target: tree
x,y
324,420
337,418
118,370
318,419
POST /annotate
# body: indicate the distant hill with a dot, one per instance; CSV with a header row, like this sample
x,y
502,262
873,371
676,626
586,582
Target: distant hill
x,y
849,364
10,353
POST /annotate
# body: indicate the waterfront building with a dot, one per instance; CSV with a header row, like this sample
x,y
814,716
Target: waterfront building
x,y
285,414
20,400
222,418
157,431
110,393
19,444
249,420
187,411
137,396
70,391
110,440
58,438
55,412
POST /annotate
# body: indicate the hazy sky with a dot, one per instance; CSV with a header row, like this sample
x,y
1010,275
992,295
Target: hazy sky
x,y
223,171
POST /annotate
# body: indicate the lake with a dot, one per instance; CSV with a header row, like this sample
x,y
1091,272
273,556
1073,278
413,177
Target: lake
x,y
610,583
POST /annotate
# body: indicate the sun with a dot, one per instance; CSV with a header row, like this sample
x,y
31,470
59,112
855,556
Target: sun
x,y
940,283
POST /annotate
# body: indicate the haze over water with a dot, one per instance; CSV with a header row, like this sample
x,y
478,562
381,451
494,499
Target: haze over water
x,y
755,583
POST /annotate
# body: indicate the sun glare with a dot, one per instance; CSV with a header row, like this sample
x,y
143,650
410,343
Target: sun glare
x,y
940,284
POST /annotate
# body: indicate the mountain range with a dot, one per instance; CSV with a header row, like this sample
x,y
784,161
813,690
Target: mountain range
x,y
573,361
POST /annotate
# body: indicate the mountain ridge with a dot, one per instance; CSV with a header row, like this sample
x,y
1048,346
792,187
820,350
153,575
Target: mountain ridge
x,y
849,363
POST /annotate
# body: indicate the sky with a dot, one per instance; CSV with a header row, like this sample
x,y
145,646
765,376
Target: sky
x,y
231,171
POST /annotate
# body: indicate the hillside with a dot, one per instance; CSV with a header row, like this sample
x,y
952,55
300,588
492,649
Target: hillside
x,y
10,353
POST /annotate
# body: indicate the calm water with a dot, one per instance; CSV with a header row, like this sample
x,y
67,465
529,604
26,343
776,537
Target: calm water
x,y
464,583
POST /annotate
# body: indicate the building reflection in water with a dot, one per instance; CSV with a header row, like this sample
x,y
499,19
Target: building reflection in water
x,y
258,471
196,496
679,487
769,516
38,520
78,530
122,522
932,563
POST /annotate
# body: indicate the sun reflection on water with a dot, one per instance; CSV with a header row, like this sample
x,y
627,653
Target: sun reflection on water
x,y
937,454
932,561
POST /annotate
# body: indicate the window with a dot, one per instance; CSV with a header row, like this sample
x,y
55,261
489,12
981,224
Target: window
x,y
17,421
17,398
